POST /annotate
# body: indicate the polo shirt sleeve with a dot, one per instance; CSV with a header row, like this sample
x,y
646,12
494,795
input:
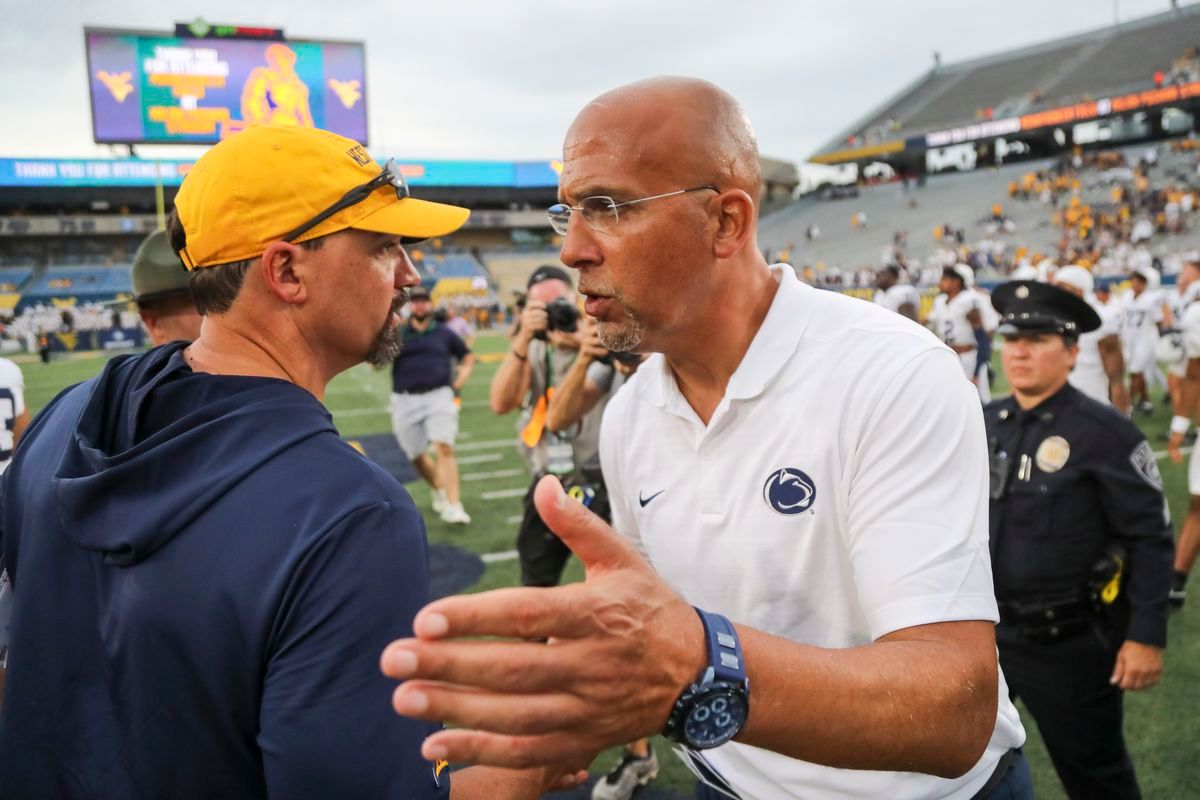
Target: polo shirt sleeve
x,y
327,728
613,435
458,348
601,375
917,501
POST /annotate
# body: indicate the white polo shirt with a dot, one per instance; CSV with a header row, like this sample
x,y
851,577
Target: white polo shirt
x,y
839,493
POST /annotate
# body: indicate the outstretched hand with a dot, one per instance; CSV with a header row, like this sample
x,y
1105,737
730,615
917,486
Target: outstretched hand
x,y
621,647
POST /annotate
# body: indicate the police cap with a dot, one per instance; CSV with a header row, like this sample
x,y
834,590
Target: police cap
x,y
1033,307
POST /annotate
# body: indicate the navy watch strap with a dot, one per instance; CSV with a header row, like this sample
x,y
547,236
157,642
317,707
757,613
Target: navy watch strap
x,y
724,649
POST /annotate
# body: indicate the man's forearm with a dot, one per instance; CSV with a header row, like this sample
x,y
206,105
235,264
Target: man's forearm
x,y
509,380
567,405
464,372
907,705
1113,361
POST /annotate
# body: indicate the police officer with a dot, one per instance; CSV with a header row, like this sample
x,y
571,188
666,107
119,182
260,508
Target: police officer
x,y
1081,544
162,292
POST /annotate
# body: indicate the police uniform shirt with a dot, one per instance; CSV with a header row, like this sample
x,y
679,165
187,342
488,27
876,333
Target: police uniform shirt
x,y
899,295
1080,478
949,317
837,494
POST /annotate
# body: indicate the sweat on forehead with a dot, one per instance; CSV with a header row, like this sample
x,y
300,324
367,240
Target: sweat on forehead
x,y
683,127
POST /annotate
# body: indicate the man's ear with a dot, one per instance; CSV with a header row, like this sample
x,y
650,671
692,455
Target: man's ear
x,y
282,272
735,222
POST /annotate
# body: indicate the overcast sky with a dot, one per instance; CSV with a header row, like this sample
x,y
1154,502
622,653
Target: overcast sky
x,y
502,79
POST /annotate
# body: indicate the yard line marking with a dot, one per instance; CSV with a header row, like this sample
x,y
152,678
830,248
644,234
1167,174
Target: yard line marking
x,y
500,473
491,444
502,494
481,458
514,519
503,555
360,412
1161,454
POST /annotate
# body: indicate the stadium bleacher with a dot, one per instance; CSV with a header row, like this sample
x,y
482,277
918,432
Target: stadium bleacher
x,y
85,283
1111,60
510,269
13,278
962,200
449,265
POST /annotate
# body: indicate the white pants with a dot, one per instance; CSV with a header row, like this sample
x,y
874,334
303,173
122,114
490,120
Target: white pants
x,y
980,375
1092,382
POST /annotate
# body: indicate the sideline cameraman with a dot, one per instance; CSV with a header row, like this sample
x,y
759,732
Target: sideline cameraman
x,y
542,350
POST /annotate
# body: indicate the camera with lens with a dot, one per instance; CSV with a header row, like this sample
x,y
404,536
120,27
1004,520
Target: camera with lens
x,y
561,315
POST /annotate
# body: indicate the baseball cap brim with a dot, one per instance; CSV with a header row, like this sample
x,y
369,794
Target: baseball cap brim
x,y
414,219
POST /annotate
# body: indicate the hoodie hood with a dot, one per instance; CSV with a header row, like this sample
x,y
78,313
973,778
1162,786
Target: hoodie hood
x,y
157,444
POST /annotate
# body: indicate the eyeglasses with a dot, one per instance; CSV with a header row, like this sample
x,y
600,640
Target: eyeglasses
x,y
391,176
600,212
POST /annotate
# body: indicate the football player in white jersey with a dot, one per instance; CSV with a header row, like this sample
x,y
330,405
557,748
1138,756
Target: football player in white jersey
x,y
1144,311
13,414
957,319
14,417
895,296
1188,545
1100,366
1171,346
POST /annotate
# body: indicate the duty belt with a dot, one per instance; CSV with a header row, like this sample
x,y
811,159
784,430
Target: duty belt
x,y
1047,619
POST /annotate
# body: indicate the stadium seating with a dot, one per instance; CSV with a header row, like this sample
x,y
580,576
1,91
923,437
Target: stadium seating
x,y
81,282
450,265
510,270
1105,62
13,278
962,200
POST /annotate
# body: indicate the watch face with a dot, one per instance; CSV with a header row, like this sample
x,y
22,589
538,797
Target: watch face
x,y
715,718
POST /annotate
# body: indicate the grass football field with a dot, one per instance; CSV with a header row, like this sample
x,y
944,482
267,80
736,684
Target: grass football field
x,y
1162,725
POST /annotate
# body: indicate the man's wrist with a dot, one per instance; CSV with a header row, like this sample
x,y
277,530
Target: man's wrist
x,y
1180,424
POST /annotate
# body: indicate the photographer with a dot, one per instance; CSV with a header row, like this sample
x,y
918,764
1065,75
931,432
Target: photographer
x,y
543,348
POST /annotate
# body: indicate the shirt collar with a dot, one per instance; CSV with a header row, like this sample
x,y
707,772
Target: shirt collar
x,y
774,343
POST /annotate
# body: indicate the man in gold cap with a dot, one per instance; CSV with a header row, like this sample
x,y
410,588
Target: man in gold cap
x,y
162,294
204,573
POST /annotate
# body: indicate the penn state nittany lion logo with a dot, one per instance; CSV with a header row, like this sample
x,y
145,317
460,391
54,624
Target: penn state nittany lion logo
x,y
789,491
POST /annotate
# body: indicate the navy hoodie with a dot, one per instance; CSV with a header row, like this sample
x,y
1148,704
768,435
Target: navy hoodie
x,y
204,577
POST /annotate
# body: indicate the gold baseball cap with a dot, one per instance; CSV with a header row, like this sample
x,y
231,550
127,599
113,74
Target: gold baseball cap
x,y
267,182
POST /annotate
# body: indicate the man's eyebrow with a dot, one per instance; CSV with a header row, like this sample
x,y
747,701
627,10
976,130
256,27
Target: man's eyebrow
x,y
591,191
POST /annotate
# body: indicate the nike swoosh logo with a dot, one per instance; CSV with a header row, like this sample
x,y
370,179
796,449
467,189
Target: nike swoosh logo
x,y
645,501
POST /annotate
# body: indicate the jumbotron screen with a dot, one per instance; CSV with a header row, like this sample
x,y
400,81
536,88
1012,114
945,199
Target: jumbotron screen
x,y
160,89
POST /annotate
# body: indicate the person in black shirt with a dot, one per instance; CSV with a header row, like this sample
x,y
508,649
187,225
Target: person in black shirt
x,y
424,408
1081,544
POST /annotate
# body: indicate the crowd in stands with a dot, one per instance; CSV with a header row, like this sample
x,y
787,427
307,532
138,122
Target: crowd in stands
x,y
1104,211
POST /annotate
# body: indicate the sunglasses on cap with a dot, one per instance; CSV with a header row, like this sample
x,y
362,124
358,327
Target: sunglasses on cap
x,y
391,176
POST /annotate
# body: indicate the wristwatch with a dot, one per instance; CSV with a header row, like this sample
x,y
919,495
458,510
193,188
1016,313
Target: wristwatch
x,y
713,710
